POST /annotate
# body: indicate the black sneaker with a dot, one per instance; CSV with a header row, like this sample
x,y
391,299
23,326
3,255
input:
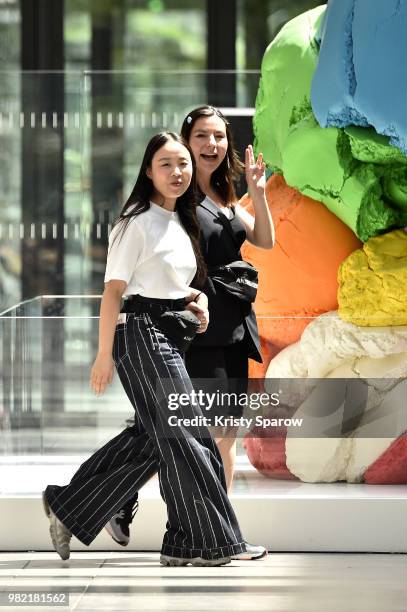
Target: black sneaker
x,y
118,526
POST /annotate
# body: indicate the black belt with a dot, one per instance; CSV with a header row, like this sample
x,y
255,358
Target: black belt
x,y
139,304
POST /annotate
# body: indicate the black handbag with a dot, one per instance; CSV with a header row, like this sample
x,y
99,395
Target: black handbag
x,y
180,326
239,278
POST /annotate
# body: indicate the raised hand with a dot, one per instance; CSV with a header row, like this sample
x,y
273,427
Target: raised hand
x,y
255,172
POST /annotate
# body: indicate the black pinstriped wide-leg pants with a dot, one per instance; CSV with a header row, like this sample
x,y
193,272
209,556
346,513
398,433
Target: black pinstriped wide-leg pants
x,y
201,521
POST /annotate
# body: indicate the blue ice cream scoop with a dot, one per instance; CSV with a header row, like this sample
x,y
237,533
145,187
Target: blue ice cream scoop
x,y
361,76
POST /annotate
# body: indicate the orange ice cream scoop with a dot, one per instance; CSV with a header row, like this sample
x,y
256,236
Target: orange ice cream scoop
x,y
298,277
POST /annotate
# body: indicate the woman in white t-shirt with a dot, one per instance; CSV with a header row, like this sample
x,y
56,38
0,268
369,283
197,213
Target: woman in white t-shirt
x,y
152,259
218,359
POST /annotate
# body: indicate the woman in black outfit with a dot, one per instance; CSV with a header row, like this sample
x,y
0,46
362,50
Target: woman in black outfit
x,y
221,354
231,338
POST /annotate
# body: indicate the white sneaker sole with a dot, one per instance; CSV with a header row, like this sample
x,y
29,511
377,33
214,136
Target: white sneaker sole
x,y
247,557
196,561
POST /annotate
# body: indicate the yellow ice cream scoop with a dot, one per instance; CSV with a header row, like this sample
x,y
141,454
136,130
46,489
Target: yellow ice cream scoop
x,y
373,280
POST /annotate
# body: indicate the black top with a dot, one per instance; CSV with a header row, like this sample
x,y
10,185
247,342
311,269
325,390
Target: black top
x,y
231,320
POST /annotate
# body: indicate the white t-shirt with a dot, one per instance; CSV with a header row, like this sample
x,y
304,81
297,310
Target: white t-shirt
x,y
154,255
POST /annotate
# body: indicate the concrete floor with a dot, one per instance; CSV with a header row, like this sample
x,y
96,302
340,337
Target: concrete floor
x,y
294,582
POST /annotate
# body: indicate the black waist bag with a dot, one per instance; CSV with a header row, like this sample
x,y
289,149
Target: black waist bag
x,y
180,326
238,278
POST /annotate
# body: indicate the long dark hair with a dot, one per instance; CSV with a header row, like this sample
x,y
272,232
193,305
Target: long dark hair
x,y
140,197
222,179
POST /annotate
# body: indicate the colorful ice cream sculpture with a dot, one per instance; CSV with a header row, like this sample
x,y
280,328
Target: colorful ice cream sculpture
x,y
330,122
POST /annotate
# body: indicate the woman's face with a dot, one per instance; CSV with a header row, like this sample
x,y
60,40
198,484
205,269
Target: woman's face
x,y
171,170
209,143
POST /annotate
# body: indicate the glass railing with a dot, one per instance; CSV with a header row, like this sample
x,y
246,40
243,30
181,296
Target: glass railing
x,y
47,407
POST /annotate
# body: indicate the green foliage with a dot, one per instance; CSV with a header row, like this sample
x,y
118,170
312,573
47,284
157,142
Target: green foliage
x,y
166,40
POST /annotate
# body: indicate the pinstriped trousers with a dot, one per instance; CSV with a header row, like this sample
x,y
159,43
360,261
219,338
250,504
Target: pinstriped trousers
x,y
200,519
